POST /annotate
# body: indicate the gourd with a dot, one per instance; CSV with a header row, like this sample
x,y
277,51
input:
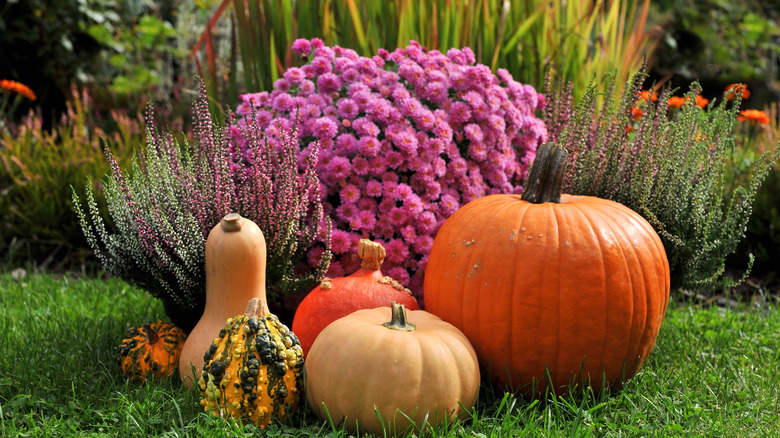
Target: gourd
x,y
553,290
151,350
235,273
367,288
254,369
392,363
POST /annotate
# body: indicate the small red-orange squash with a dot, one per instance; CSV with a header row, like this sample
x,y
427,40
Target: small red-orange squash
x,y
366,288
550,289
151,350
401,365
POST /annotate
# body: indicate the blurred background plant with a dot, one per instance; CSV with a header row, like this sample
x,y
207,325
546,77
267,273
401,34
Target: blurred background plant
x,y
123,51
719,42
578,40
37,168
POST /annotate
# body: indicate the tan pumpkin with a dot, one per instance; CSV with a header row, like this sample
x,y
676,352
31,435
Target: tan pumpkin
x,y
394,363
551,289
151,350
254,369
366,288
235,273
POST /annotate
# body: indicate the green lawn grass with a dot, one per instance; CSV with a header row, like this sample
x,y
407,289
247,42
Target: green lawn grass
x,y
713,372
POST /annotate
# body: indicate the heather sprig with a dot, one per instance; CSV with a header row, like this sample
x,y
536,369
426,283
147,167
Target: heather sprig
x,y
163,209
668,164
406,137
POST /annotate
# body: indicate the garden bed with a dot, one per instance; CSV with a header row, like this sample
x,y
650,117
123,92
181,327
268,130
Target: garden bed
x,y
712,373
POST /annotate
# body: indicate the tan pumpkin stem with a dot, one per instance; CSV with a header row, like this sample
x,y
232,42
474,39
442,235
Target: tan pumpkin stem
x,y
371,254
231,222
398,319
545,180
256,307
151,336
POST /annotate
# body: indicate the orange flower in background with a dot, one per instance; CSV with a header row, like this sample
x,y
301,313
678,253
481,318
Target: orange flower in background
x,y
17,87
754,116
647,96
636,113
734,90
676,102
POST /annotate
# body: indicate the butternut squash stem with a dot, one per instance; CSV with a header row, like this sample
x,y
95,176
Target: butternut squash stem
x,y
151,335
398,319
545,180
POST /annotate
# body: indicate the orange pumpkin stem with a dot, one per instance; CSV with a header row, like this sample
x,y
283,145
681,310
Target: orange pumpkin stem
x,y
545,180
151,335
371,254
398,320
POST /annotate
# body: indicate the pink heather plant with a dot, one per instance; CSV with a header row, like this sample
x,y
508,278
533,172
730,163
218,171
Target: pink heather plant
x,y
405,139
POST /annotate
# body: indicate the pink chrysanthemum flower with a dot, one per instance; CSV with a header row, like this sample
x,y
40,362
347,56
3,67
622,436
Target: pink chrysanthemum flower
x,y
435,128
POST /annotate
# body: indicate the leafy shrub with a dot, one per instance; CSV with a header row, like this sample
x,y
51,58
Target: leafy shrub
x,y
120,50
165,207
406,138
38,167
576,39
669,165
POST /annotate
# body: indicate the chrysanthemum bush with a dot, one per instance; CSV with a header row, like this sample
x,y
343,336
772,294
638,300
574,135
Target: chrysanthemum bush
x,y
163,209
669,160
405,139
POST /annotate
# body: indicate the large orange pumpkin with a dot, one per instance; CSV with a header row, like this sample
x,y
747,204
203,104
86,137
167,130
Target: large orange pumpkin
x,y
550,289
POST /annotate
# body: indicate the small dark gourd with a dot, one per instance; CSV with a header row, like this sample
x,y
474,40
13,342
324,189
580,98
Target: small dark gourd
x,y
366,288
254,369
151,350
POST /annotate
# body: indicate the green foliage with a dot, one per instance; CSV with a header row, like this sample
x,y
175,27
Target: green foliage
x,y
709,39
670,166
712,373
121,50
577,40
37,169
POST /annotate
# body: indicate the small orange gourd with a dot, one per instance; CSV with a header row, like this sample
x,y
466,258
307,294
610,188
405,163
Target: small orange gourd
x,y
151,350
407,367
235,273
366,288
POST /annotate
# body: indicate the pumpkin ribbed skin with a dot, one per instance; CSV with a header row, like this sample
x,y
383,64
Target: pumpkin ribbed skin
x,y
371,361
254,369
578,287
366,288
151,350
